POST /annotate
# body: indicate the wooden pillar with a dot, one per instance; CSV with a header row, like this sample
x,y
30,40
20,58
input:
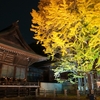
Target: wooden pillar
x,y
0,69
92,84
26,72
78,94
36,92
29,91
18,91
14,72
55,92
5,94
45,93
65,92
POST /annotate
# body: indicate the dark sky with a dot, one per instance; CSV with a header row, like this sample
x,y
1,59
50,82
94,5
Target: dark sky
x,y
13,10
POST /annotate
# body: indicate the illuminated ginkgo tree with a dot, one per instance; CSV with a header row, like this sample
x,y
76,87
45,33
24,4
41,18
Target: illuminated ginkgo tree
x,y
70,32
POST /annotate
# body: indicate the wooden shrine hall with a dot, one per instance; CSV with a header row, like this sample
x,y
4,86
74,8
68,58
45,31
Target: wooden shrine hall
x,y
15,54
15,58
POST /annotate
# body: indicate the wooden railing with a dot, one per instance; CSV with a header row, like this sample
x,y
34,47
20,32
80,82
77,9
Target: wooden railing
x,y
12,89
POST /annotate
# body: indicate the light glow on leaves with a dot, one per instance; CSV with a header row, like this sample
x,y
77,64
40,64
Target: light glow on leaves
x,y
70,28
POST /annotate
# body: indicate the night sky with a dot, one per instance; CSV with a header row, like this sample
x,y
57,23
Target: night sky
x,y
13,10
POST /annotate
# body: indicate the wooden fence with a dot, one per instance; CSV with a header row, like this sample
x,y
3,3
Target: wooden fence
x,y
19,89
65,93
55,93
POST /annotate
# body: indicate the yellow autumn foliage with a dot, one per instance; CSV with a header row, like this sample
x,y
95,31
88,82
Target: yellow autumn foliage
x,y
70,28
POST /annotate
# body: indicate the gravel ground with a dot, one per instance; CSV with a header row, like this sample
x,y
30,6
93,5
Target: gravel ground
x,y
48,98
